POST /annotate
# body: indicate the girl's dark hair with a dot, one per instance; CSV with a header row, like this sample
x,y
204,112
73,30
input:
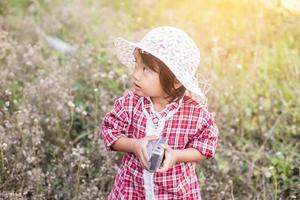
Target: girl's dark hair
x,y
166,77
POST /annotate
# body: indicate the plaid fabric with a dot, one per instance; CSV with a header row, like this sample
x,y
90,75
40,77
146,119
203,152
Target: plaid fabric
x,y
192,126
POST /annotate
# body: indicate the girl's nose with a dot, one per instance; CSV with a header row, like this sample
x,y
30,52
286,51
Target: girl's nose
x,y
136,78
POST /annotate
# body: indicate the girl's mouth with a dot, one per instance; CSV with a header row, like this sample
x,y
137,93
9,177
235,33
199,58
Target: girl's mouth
x,y
136,86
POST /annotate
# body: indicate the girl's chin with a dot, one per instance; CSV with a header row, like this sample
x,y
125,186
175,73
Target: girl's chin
x,y
137,92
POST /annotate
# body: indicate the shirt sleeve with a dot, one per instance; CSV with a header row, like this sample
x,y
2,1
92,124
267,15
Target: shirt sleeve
x,y
115,123
206,137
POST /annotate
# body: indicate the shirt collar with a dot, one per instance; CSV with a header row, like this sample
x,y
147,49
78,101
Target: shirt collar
x,y
148,104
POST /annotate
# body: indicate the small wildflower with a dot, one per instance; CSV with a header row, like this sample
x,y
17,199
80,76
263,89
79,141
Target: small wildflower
x,y
71,104
30,159
239,66
29,63
3,146
77,109
279,155
36,120
7,92
267,174
84,113
83,165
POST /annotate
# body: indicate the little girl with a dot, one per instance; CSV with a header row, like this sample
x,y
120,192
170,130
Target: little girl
x,y
165,101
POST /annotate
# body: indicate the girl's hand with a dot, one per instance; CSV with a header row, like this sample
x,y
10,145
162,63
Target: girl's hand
x,y
139,149
170,159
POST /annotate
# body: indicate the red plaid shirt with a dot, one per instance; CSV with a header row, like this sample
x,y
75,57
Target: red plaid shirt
x,y
191,126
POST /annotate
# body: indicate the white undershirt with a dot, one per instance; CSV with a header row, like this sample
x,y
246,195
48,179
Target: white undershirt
x,y
152,129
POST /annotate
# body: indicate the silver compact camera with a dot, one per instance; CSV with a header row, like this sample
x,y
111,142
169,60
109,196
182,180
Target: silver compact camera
x,y
156,153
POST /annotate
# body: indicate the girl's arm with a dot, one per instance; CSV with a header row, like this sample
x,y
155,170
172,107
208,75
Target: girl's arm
x,y
201,146
136,146
115,124
188,155
124,144
173,156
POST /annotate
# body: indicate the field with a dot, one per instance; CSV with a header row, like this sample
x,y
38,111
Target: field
x,y
59,76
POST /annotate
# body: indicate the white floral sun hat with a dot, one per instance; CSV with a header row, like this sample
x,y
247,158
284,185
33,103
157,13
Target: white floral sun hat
x,y
173,47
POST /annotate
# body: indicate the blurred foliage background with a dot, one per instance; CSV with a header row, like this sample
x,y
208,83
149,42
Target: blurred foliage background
x,y
59,76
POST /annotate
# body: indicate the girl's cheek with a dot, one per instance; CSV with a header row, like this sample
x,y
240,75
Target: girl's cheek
x,y
146,75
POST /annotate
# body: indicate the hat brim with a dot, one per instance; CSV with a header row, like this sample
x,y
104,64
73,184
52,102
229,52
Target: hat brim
x,y
124,51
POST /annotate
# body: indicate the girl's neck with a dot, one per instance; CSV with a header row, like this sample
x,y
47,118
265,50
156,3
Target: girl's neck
x,y
159,103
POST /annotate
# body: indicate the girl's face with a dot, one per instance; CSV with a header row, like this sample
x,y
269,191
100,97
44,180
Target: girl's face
x,y
146,81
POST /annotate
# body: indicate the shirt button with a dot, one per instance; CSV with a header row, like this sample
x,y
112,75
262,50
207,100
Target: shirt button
x,y
155,120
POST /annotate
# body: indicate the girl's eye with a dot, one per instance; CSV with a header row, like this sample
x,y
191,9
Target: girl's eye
x,y
146,69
